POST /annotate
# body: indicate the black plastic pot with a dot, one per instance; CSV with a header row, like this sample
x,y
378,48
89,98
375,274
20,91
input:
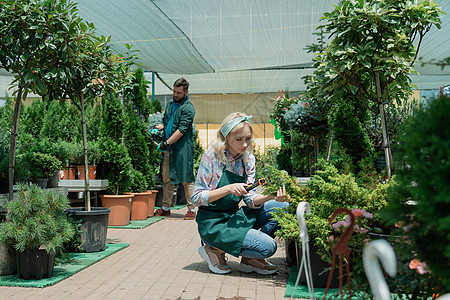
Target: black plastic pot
x,y
35,264
94,226
319,268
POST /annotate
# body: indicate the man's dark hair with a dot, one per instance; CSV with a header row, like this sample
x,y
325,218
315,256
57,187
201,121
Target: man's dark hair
x,y
181,82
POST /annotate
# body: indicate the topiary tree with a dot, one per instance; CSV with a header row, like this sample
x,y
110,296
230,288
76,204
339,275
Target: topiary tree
x,y
34,39
137,107
115,161
369,57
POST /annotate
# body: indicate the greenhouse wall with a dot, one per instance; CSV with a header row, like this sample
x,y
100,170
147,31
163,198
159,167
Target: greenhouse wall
x,y
263,135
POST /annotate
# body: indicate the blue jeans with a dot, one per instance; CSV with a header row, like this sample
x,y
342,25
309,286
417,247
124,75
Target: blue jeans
x,y
259,241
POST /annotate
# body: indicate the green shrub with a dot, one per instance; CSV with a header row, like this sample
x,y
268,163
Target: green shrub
x,y
117,166
328,190
36,218
419,200
39,165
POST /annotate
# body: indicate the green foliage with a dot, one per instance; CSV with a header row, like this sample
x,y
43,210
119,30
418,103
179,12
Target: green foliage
x,y
397,113
284,161
156,106
328,190
153,120
306,116
117,165
113,118
368,40
420,198
115,162
74,244
198,150
41,165
281,105
52,120
137,94
138,182
36,218
136,143
266,158
348,122
32,35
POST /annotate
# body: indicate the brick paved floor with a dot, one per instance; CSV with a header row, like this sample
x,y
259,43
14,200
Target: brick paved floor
x,y
161,262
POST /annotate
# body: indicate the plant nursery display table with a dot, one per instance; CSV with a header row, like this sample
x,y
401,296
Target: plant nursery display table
x,y
77,186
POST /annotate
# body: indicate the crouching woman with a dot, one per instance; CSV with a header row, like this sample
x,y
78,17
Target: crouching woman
x,y
224,225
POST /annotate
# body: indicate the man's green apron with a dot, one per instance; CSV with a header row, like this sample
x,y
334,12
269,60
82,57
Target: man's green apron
x,y
222,223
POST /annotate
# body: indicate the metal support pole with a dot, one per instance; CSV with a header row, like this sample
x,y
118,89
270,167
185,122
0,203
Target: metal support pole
x,y
153,86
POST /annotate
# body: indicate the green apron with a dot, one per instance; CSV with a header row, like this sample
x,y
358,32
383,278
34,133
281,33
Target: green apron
x,y
222,223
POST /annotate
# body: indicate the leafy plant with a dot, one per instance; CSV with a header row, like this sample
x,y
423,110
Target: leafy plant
x,y
153,120
43,165
419,199
367,61
117,166
32,34
36,218
329,189
282,103
268,157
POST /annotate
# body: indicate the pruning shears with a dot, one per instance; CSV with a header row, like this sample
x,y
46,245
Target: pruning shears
x,y
259,182
152,135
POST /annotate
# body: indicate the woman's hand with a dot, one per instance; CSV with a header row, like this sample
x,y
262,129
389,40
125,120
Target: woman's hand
x,y
281,195
237,189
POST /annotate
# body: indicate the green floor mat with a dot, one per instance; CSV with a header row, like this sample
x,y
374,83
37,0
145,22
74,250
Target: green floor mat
x,y
138,224
302,290
178,206
78,262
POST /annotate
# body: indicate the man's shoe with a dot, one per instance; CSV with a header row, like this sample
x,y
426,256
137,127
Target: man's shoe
x,y
216,259
260,266
162,213
190,215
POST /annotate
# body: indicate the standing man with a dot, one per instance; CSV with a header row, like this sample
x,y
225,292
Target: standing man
x,y
177,148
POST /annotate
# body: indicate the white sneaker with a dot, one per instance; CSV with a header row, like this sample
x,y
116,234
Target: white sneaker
x,y
260,266
216,259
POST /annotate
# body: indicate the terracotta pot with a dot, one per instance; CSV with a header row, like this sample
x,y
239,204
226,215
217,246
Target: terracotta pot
x,y
68,173
91,172
151,203
139,207
120,206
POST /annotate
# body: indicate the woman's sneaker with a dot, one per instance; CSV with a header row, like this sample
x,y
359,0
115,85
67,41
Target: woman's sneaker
x,y
260,266
216,259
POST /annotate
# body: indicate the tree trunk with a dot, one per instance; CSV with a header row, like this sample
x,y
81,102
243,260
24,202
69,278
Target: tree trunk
x,y
12,149
87,196
386,144
330,141
316,151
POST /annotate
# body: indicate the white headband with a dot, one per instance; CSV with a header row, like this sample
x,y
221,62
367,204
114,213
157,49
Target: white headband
x,y
226,129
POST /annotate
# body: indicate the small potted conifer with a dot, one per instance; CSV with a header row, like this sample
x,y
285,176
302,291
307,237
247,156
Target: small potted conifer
x,y
36,226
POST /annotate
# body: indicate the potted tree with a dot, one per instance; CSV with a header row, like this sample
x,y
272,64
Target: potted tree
x,y
36,226
137,107
115,163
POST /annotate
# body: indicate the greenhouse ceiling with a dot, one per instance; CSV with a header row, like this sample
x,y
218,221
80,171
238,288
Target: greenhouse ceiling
x,y
234,46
